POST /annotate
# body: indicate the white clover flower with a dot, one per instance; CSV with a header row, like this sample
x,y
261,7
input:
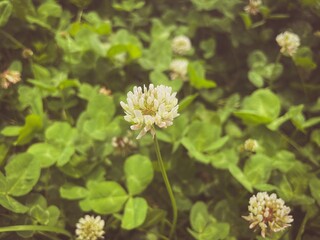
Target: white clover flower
x,y
179,69
181,45
90,228
148,107
289,43
269,213
253,7
9,77
251,145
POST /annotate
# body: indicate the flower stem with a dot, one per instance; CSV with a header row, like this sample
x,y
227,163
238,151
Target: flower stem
x,y
79,16
273,69
168,186
12,39
35,228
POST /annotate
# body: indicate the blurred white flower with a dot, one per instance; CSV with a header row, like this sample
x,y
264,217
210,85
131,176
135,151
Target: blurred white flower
x,y
9,77
181,45
123,144
251,145
289,43
269,213
105,91
253,7
179,69
148,107
90,228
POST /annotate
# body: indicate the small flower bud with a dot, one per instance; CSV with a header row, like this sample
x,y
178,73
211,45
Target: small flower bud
x,y
179,69
289,43
105,91
27,53
251,145
181,45
253,7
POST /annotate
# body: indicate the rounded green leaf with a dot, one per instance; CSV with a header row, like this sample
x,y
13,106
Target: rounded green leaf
x,y
256,79
5,12
258,169
158,78
72,192
61,133
241,178
45,153
197,77
199,216
257,59
135,213
23,172
11,204
261,107
106,197
139,173
101,104
33,123
314,185
11,131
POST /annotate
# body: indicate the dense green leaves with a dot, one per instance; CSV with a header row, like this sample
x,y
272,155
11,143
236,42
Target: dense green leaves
x,y
62,136
248,116
204,226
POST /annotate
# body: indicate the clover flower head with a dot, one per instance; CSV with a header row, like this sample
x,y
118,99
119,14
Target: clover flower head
x,y
90,228
181,45
251,145
151,106
289,43
269,213
253,7
179,69
9,77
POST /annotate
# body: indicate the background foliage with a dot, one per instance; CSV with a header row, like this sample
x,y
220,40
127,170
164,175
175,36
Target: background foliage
x,y
56,153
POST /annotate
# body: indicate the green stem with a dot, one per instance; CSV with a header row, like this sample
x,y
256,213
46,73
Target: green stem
x,y
80,12
40,228
297,147
12,39
302,227
168,186
275,65
301,80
